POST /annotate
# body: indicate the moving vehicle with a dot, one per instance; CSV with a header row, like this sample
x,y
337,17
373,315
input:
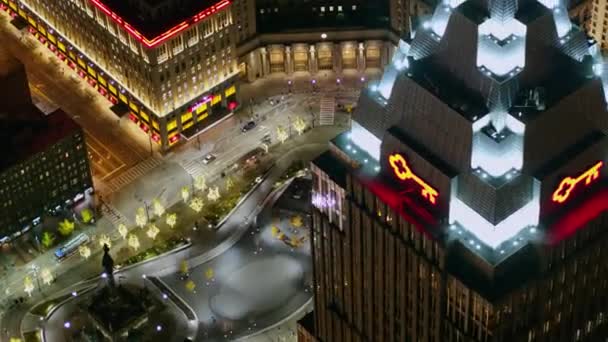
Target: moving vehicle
x,y
71,246
209,158
248,126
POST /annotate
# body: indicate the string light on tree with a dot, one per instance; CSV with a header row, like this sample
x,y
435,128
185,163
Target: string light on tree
x,y
152,231
200,183
28,285
140,217
46,276
299,125
282,134
159,209
84,251
133,241
214,194
122,230
196,204
171,219
105,240
185,194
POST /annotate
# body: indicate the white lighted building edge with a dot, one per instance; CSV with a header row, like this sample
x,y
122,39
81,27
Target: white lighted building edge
x,y
498,58
398,63
488,233
365,140
497,158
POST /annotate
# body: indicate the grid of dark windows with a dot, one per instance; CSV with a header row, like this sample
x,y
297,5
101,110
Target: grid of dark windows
x,y
44,181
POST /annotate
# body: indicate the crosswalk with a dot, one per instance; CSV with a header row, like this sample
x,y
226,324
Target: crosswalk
x,y
113,215
193,167
327,112
133,173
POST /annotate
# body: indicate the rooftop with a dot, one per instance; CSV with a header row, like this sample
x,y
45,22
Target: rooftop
x,y
154,21
28,132
293,16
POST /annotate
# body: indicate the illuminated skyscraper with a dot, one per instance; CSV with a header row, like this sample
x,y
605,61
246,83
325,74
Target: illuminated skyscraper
x,y
468,201
171,64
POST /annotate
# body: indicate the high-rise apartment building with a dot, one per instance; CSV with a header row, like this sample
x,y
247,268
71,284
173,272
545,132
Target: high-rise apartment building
x,y
171,64
468,202
44,165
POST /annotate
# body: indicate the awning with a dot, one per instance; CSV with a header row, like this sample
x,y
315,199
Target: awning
x,y
19,23
120,109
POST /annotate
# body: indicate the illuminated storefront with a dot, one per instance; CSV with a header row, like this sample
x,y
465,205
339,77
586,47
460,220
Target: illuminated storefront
x,y
164,129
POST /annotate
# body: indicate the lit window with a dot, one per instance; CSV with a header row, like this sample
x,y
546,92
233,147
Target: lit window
x,y
354,7
322,8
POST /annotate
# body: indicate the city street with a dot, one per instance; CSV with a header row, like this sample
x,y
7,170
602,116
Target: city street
x,y
128,175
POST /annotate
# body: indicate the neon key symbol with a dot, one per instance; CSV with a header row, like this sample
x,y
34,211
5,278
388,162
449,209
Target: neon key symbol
x,y
568,184
403,172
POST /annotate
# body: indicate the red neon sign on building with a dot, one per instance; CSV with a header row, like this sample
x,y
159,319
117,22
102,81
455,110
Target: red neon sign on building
x,y
563,191
167,34
403,172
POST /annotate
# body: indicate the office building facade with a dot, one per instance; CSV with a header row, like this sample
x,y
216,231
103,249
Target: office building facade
x,y
468,201
44,166
172,67
319,36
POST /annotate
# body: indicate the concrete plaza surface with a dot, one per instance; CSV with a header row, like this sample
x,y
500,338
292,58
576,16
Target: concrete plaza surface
x,y
255,284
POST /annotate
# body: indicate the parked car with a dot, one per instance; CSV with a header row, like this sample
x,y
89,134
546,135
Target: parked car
x,y
209,158
248,126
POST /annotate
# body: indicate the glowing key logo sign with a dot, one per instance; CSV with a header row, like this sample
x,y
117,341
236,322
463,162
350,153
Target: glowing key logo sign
x,y
564,190
402,171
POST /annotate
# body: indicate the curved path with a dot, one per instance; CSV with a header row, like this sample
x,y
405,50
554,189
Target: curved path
x,y
266,286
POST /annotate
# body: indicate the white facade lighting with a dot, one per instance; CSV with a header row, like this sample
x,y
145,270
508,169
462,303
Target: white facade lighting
x,y
488,233
365,140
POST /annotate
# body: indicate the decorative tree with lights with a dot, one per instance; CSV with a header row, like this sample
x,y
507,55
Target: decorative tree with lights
x,y
200,183
171,219
84,251
185,194
86,215
152,231
66,227
28,285
122,230
213,194
184,269
282,134
104,240
46,276
196,204
299,125
133,241
48,239
159,209
140,217
190,285
209,273
229,183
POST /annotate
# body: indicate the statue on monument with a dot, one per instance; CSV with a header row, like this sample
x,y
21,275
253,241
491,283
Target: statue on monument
x,y
108,264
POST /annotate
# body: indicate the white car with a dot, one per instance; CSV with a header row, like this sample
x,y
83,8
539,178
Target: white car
x,y
209,158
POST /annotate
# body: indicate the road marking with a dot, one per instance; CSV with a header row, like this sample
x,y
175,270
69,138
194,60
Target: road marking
x,y
133,173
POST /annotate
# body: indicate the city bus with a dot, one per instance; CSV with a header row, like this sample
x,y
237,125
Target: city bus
x,y
71,246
